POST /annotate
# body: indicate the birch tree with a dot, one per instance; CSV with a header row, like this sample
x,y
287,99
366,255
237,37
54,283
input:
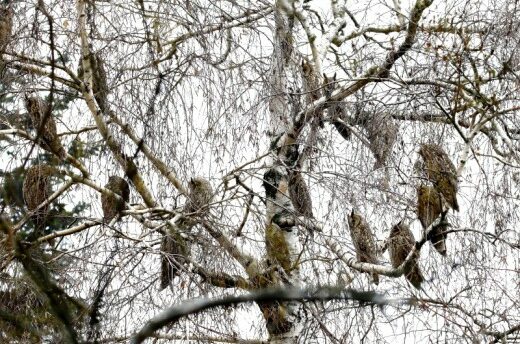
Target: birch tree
x,y
299,118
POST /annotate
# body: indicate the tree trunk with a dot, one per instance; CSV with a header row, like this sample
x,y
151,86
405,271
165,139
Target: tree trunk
x,y
282,319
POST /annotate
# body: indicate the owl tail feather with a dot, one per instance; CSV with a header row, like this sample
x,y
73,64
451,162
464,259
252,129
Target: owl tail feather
x,y
437,237
375,278
415,276
169,267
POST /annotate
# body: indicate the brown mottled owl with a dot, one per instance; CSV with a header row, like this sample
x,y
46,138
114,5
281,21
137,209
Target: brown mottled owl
x,y
337,110
437,236
99,80
311,82
111,205
429,205
36,189
48,137
312,87
429,208
6,26
400,243
382,134
363,241
173,251
276,246
12,191
439,169
300,195
200,195
173,247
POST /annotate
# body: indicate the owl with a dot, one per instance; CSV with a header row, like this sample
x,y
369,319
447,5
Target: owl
x,y
300,195
311,82
173,247
382,134
277,247
6,26
200,195
429,208
400,243
337,111
48,138
439,169
112,206
12,190
36,189
363,241
437,236
172,258
99,80
312,87
429,205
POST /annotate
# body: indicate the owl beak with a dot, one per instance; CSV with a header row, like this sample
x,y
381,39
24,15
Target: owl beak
x,y
352,213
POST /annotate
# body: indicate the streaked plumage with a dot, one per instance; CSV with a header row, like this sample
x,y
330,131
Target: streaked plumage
x,y
173,247
439,169
312,89
6,26
48,137
99,80
429,208
311,82
400,243
111,205
337,112
300,195
172,259
363,241
382,134
12,190
429,205
36,189
200,195
277,247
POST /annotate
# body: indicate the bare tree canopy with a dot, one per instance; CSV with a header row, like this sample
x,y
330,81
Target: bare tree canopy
x,y
242,171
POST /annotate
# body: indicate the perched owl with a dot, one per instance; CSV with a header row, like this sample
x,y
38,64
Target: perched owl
x,y
172,258
437,236
438,168
429,205
337,111
36,189
48,137
363,241
429,208
300,195
312,87
400,243
173,247
201,194
6,26
277,247
12,190
112,206
311,82
382,134
99,80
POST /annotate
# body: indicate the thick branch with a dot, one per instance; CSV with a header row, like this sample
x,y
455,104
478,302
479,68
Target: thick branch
x,y
115,147
175,313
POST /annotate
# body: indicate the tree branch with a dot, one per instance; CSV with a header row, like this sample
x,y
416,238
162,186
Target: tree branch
x,y
175,313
